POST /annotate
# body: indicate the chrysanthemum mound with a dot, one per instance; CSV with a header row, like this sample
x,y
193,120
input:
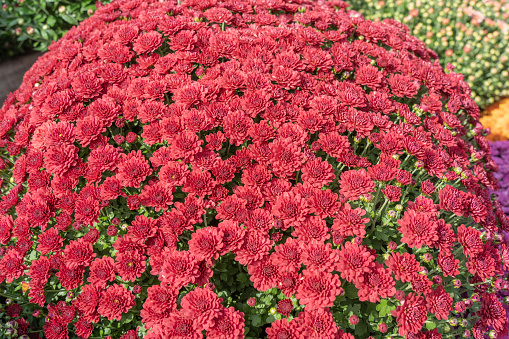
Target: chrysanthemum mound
x,y
249,169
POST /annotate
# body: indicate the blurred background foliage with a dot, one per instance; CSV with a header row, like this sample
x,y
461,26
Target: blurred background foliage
x,y
471,35
27,25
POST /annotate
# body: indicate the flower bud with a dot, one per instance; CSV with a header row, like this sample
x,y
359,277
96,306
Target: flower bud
x,y
392,245
61,9
466,334
251,301
391,213
399,207
353,320
493,334
272,310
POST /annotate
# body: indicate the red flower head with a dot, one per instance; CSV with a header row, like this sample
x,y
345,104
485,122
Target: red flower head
x,y
115,301
11,265
317,324
142,228
206,243
439,303
78,253
101,271
287,256
203,305
376,284
349,222
404,266
452,199
130,265
411,315
49,241
418,229
318,173
133,169
87,301
229,325
493,313
355,183
319,257
179,269
318,290
354,261
448,264
290,208
264,274
59,159
283,328
470,239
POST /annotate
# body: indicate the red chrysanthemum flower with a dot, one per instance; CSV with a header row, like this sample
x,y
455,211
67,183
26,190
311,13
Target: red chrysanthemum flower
x,y
493,313
142,227
349,222
56,328
418,229
470,239
130,265
316,324
206,243
70,278
448,264
49,241
404,266
229,325
133,169
318,290
354,261
78,253
355,183
290,208
264,274
318,173
203,305
376,284
179,269
287,256
115,301
101,271
11,265
439,303
282,328
255,246
87,301
319,257
411,315
59,159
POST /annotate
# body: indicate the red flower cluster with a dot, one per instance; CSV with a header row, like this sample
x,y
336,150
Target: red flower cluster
x,y
318,153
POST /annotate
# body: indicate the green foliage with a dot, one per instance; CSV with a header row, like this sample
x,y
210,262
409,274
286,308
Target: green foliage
x,y
34,24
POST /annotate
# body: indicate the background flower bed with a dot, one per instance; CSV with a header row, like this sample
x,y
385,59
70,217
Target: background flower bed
x,y
265,168
471,35
27,25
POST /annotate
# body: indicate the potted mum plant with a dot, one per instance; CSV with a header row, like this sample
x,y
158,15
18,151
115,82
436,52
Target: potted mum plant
x,y
247,169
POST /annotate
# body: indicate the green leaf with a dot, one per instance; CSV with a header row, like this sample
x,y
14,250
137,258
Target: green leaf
x,y
51,21
351,291
69,19
242,277
430,325
256,320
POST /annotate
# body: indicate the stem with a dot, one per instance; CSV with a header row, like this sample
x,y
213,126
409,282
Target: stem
x,y
373,226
